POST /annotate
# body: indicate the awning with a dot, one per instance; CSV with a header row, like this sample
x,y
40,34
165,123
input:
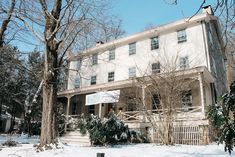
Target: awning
x,y
103,97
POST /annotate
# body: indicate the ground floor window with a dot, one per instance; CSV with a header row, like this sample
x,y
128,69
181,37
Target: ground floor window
x,y
187,100
155,101
91,109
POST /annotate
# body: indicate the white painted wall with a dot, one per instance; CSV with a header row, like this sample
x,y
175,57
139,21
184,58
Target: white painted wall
x,y
168,50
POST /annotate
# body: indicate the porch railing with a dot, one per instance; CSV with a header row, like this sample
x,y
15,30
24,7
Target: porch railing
x,y
179,114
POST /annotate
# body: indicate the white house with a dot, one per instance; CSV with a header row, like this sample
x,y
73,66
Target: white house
x,y
193,45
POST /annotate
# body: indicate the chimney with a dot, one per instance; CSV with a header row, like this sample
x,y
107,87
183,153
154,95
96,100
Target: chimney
x,y
99,43
207,9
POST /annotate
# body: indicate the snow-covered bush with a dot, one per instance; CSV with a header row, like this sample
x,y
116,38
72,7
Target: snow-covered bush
x,y
110,130
222,117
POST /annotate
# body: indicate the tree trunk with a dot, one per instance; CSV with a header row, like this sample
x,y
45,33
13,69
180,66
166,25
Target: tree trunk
x,y
48,129
6,22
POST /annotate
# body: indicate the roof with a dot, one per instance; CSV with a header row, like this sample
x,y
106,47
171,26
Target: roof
x,y
161,29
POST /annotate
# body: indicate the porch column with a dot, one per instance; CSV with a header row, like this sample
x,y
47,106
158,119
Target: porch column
x,y
67,112
100,110
143,95
200,78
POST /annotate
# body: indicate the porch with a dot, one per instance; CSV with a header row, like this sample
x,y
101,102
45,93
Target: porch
x,y
137,104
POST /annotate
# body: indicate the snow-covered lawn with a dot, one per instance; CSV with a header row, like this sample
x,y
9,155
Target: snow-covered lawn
x,y
139,150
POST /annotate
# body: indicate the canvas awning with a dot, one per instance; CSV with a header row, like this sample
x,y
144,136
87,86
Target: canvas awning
x,y
103,97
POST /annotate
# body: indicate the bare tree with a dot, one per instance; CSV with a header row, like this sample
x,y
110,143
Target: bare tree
x,y
63,23
6,20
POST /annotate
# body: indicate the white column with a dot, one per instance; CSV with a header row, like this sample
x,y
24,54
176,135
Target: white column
x,y
143,95
67,112
200,78
100,110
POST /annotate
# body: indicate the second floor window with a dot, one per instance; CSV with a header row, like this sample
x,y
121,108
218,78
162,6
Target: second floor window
x,y
154,43
110,76
132,49
184,62
156,67
132,72
77,83
181,36
93,80
94,59
111,54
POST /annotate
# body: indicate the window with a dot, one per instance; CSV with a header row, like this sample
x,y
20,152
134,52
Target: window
x,y
181,36
93,80
187,100
91,109
156,67
154,43
77,83
111,54
155,101
110,76
132,72
79,64
184,62
94,59
132,49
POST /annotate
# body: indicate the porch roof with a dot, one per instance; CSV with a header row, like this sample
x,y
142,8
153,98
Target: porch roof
x,y
189,73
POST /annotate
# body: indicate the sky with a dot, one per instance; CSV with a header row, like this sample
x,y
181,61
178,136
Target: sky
x,y
138,14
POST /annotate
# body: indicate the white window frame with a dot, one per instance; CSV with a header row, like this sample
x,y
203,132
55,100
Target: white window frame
x,y
93,80
132,72
154,43
187,100
112,54
184,62
77,83
181,36
111,76
156,68
94,59
132,48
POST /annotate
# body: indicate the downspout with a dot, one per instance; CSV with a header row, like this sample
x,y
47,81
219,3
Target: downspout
x,y
206,45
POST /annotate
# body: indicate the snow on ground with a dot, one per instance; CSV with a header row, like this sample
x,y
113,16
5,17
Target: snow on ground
x,y
138,150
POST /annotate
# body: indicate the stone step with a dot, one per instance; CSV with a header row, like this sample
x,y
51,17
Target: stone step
x,y
79,143
75,139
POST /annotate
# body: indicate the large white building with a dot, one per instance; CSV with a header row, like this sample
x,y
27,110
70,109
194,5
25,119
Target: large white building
x,y
193,46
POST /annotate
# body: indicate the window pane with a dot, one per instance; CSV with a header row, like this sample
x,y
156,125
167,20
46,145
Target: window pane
x,y
77,83
132,48
154,43
111,54
187,100
156,67
110,76
181,35
93,80
94,59
132,72
184,62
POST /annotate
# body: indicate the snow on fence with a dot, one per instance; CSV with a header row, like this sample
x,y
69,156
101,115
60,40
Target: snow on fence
x,y
190,135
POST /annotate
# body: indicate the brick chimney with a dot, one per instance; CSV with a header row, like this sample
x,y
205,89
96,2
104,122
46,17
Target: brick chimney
x,y
207,9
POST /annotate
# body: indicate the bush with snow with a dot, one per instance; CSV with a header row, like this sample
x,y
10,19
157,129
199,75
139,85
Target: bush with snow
x,y
109,131
222,117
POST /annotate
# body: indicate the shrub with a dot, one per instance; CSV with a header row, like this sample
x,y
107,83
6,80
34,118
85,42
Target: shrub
x,y
109,131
